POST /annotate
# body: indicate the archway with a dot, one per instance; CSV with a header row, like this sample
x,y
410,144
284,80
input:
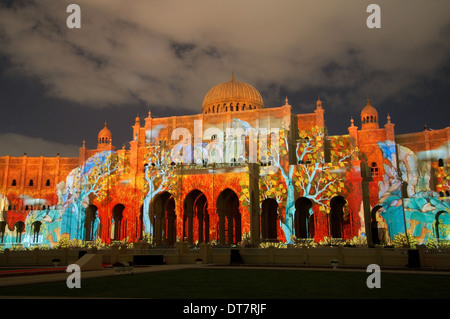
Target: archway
x,y
196,217
162,208
140,223
36,227
438,223
230,229
170,233
90,223
20,228
304,220
2,230
119,225
269,219
374,225
337,204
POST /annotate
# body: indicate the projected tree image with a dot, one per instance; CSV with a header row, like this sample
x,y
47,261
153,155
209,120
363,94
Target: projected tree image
x,y
94,177
158,170
314,178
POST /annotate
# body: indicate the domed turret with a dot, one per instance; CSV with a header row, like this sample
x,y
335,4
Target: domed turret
x,y
369,117
104,137
232,96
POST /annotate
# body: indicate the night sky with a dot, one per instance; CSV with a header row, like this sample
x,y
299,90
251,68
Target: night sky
x,y
58,85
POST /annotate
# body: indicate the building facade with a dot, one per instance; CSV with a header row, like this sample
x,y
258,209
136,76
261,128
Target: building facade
x,y
237,171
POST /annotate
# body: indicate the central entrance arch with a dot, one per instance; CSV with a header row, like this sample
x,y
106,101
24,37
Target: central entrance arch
x,y
230,228
196,217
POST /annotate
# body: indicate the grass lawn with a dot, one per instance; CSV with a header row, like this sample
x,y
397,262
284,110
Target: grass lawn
x,y
218,283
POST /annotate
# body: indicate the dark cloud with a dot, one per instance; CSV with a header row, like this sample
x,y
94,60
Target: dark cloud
x,y
18,145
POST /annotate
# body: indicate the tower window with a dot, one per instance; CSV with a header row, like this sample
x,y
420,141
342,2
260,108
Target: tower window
x,y
47,183
30,183
441,162
14,183
374,169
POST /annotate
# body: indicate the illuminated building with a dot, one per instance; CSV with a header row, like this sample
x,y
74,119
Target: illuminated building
x,y
239,170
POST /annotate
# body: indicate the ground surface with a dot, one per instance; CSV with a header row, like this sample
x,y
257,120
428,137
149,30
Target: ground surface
x,y
241,283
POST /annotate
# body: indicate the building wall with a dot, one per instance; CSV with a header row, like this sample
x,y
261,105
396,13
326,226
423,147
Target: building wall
x,y
131,193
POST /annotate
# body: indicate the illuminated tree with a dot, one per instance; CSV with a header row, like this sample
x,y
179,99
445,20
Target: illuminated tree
x,y
93,178
157,174
320,180
314,178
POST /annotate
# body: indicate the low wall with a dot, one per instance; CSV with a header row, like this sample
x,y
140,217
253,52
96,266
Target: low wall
x,y
182,254
323,255
39,257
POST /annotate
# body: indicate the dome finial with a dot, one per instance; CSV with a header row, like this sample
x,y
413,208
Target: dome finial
x,y
287,102
368,101
232,75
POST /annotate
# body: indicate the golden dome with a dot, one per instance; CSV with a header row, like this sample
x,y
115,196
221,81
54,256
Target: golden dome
x,y
232,96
